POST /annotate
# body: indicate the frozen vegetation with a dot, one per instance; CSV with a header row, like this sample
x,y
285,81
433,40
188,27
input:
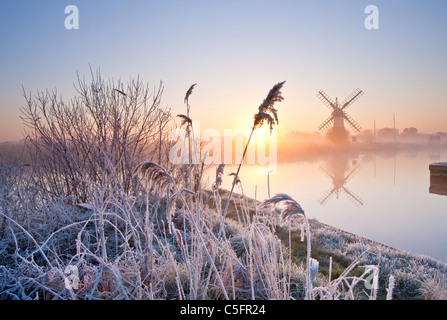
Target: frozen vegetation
x,y
96,211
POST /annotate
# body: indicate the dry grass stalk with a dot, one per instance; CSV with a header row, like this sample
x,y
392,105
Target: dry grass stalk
x,y
158,174
289,209
126,247
263,115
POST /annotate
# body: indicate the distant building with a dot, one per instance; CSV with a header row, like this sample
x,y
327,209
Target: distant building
x,y
412,131
388,132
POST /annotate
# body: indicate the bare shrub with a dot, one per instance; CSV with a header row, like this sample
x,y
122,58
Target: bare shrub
x,y
98,137
163,242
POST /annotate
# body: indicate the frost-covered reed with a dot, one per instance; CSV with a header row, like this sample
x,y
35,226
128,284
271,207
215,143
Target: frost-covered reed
x,y
137,231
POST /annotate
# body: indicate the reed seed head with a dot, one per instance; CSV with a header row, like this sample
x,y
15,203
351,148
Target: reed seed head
x,y
154,174
289,206
237,181
219,173
267,108
189,92
185,119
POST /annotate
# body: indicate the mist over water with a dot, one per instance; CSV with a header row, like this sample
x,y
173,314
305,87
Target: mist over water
x,y
378,191
378,194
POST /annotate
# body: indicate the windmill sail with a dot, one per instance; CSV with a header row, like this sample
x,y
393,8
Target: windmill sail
x,y
352,173
339,180
326,124
353,197
326,100
352,123
353,97
338,115
327,196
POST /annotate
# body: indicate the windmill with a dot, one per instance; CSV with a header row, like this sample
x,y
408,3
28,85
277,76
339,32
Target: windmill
x,y
339,115
339,180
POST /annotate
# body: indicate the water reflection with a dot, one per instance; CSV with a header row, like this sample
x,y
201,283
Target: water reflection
x,y
340,172
383,196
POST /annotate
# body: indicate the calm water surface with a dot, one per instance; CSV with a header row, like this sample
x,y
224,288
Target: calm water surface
x,y
381,196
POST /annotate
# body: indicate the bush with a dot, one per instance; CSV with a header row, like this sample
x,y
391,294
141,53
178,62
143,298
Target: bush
x,y
97,138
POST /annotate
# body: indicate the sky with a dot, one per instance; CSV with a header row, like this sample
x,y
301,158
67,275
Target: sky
x,y
236,51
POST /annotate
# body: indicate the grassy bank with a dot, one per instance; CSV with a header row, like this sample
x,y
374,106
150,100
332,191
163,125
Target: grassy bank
x,y
98,210
415,276
148,248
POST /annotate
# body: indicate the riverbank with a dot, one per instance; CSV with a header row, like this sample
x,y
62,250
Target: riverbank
x,y
154,247
417,276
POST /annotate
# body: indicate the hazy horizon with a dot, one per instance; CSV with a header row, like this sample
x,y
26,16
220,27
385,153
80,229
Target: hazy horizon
x,y
235,52
223,187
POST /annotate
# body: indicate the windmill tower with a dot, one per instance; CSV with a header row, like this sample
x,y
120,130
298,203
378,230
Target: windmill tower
x,y
339,116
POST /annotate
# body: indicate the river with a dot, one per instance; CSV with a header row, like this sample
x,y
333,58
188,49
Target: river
x,y
383,196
